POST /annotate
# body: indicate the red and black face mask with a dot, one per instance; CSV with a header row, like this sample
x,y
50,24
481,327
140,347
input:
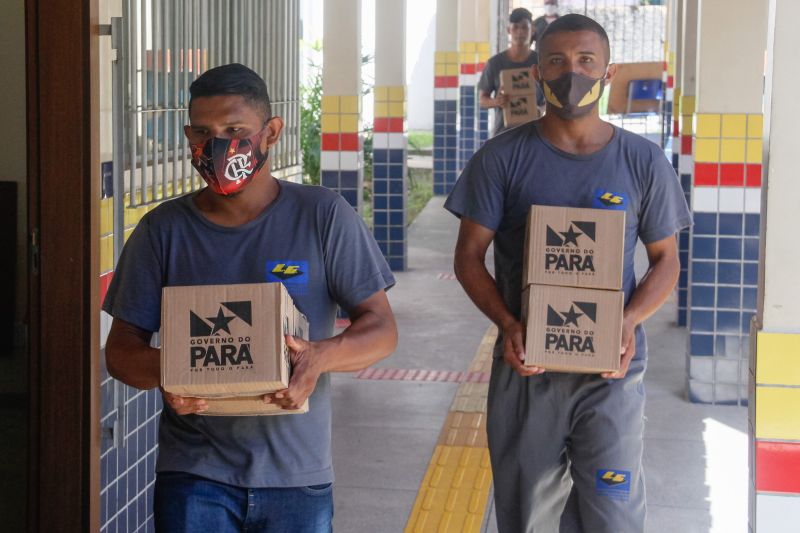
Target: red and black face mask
x,y
227,165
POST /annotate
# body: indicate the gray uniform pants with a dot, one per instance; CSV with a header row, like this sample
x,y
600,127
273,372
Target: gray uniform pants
x,y
566,451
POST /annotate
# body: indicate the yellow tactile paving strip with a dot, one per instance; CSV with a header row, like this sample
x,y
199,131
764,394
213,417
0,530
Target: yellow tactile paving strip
x,y
454,492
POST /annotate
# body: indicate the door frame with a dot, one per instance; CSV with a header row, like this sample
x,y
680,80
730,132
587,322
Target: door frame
x,y
63,210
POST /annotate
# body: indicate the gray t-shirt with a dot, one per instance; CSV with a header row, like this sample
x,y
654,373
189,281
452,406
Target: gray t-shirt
x,y
490,82
520,168
340,263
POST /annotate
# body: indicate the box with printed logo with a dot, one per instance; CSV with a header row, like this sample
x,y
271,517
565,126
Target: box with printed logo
x,y
226,343
572,330
574,247
515,81
520,109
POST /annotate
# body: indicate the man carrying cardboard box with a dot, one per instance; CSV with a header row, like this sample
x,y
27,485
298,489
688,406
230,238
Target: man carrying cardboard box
x,y
270,473
566,449
518,56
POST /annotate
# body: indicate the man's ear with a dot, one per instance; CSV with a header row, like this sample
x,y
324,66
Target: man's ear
x,y
272,133
535,73
611,72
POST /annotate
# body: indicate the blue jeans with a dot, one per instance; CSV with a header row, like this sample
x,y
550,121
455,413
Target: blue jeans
x,y
185,503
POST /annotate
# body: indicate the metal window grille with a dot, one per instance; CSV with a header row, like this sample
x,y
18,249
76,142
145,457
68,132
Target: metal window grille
x,y
165,46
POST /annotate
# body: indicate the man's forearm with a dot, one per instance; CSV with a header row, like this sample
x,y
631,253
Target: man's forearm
x,y
653,291
368,339
482,290
133,361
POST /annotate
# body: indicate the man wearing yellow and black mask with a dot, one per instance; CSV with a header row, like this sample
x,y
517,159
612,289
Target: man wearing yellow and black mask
x,y
566,448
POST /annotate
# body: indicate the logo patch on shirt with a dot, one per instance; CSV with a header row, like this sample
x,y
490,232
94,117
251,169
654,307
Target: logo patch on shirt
x,y
293,274
614,484
605,199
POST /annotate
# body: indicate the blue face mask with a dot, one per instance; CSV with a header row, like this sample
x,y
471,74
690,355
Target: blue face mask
x,y
572,95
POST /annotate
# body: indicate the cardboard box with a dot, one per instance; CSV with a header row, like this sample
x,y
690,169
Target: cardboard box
x,y
574,247
520,109
514,81
226,343
572,330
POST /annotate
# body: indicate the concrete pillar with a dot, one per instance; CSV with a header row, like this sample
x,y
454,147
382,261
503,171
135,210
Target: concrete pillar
x,y
682,144
677,47
473,52
445,98
775,345
342,161
668,73
389,146
726,196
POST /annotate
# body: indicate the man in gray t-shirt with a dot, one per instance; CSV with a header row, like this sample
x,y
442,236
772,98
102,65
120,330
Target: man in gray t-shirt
x,y
566,449
518,55
270,473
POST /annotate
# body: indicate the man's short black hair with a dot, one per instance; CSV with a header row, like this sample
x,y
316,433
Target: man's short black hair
x,y
233,79
520,14
575,22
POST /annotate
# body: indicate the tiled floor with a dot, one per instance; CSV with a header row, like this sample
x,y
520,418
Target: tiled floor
x,y
385,431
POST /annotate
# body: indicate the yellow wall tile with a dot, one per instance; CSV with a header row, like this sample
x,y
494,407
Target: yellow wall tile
x,y
397,109
483,47
440,57
128,233
452,69
707,125
440,69
706,150
778,359
687,125
754,151
467,46
349,104
329,123
381,109
106,216
330,104
452,57
755,126
466,57
349,123
732,151
397,94
778,413
687,104
734,125
483,57
106,254
381,94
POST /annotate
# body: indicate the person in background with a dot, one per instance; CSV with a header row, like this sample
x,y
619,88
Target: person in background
x,y
518,55
550,14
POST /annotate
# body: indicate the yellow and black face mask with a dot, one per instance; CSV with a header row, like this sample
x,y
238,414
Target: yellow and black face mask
x,y
573,95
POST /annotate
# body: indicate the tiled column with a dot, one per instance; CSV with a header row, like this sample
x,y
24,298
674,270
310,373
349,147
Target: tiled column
x,y
389,137
775,359
725,198
445,98
467,80
668,72
676,21
683,146
483,52
341,160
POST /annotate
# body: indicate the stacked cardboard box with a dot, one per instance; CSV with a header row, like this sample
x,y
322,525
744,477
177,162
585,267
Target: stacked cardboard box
x,y
572,278
226,343
519,85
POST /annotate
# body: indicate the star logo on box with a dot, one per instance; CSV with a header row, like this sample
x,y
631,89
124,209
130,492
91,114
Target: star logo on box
x,y
213,345
564,333
570,250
